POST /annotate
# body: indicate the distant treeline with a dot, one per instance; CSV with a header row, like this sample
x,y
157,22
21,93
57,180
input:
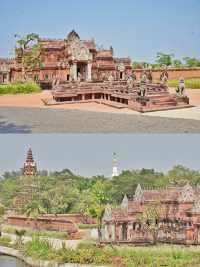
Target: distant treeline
x,y
61,192
168,60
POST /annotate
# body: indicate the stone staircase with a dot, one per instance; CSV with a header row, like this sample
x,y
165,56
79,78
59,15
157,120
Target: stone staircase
x,y
164,101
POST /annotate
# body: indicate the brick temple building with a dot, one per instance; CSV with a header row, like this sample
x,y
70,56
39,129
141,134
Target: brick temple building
x,y
177,221
30,166
71,59
29,183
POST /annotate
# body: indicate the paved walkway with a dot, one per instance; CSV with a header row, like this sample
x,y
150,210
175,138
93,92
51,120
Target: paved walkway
x,y
35,120
186,113
27,114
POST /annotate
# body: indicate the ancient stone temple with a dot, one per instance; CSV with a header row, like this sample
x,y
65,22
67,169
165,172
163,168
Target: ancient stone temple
x,y
30,166
175,220
5,67
73,59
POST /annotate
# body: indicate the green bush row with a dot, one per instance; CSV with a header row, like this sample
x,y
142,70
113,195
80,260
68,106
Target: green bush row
x,y
19,88
192,83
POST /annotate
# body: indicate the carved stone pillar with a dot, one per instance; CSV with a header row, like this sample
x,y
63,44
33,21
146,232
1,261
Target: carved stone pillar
x,y
113,232
89,72
74,71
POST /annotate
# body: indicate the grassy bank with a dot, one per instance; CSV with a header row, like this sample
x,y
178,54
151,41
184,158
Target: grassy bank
x,y
129,257
19,88
32,233
192,83
90,253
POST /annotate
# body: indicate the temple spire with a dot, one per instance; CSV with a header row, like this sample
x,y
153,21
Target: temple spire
x,y
30,167
115,167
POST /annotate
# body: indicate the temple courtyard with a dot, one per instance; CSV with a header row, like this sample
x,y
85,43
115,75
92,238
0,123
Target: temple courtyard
x,y
27,113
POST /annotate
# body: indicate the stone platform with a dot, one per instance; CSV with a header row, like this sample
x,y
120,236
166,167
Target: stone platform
x,y
118,95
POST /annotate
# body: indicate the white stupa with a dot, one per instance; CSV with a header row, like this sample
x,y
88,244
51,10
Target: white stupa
x,y
115,168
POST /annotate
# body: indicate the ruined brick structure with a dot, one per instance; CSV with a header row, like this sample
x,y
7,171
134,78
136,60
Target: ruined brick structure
x,y
178,221
42,223
119,94
73,59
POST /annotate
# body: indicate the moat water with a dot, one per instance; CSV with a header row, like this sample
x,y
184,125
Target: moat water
x,y
6,261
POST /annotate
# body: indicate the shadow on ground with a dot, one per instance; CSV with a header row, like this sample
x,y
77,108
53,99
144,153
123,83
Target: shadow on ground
x,y
6,127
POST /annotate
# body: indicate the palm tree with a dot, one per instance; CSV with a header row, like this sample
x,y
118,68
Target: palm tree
x,y
34,210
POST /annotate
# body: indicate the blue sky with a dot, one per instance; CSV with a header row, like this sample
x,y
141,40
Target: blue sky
x,y
91,154
139,29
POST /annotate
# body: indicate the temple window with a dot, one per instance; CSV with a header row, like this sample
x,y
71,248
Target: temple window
x,y
46,77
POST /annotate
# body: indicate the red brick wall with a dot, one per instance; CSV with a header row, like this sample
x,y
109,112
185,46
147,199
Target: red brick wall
x,y
74,217
173,73
43,223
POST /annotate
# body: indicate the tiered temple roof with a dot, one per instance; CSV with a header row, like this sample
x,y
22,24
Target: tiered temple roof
x,y
30,167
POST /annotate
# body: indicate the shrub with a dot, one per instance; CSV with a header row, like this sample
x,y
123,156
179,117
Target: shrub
x,y
87,245
87,226
5,241
19,88
39,249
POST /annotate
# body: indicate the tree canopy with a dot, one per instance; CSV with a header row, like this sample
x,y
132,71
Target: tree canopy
x,y
63,192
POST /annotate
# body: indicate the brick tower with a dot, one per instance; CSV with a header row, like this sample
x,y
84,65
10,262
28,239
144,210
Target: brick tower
x,y
30,167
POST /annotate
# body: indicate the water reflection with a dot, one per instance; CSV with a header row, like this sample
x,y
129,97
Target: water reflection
x,y
6,261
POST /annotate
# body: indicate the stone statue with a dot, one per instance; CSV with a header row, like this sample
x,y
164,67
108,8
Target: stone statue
x,y
164,76
181,87
149,76
130,82
110,78
79,78
133,75
143,85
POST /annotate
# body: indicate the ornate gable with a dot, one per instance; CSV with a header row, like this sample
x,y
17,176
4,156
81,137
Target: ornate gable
x,y
187,194
124,204
77,49
138,194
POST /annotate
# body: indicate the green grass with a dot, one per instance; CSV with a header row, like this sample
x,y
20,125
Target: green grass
x,y
19,88
5,241
32,233
87,226
168,256
192,83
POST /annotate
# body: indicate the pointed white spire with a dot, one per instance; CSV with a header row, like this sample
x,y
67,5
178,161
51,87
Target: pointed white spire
x,y
138,193
115,167
124,204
